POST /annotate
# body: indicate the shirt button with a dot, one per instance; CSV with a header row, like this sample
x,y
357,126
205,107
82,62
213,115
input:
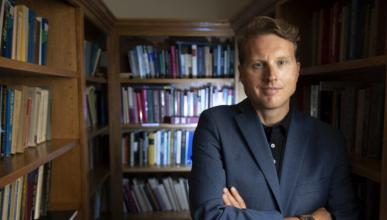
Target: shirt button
x,y
274,161
272,145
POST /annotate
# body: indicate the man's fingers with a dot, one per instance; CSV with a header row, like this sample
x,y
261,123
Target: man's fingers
x,y
226,200
238,198
231,198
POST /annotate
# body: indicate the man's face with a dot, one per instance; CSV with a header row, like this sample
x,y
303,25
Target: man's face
x,y
270,72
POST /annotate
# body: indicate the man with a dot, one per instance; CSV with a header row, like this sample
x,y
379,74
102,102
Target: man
x,y
260,159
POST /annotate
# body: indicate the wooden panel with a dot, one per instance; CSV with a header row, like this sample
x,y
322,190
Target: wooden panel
x,y
13,67
114,97
90,79
97,178
262,7
184,215
97,12
154,27
61,52
152,126
157,169
60,215
19,165
84,150
98,131
366,168
367,63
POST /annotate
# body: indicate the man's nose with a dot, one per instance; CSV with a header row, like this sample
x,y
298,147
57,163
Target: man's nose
x,y
271,73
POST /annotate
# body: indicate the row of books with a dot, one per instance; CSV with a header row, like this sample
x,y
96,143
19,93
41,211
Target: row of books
x,y
24,117
158,104
93,56
183,60
161,147
153,195
357,109
23,35
345,31
26,197
96,107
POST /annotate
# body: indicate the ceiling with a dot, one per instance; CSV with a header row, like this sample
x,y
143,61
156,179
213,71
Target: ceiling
x,y
177,9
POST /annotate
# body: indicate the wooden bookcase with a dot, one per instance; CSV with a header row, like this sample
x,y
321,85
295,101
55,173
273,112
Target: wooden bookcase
x,y
60,77
367,68
125,30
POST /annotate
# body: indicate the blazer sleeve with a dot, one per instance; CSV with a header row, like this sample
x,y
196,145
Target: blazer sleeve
x,y
208,178
342,203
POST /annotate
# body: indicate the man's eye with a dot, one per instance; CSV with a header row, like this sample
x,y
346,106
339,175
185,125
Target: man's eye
x,y
257,65
282,62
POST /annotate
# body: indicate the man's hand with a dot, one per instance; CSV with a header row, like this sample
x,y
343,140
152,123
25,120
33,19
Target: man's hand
x,y
322,214
232,198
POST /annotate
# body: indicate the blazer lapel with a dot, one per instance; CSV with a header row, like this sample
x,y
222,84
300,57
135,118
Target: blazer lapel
x,y
252,130
296,144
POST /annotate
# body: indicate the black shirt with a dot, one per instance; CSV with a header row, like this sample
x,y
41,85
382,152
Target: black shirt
x,y
276,137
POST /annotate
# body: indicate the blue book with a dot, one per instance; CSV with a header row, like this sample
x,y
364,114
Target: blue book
x,y
6,49
9,121
1,117
189,150
31,36
43,40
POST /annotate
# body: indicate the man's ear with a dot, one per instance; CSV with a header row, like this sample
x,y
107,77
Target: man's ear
x,y
240,69
298,67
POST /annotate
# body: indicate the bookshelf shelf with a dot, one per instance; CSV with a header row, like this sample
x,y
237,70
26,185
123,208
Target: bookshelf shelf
x,y
156,169
21,164
184,215
177,81
98,131
157,126
372,62
95,79
14,67
368,168
97,178
60,215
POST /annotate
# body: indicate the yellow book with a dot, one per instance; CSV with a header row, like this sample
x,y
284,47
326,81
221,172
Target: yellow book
x,y
151,149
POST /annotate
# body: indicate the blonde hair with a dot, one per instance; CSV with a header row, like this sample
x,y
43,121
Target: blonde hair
x,y
261,25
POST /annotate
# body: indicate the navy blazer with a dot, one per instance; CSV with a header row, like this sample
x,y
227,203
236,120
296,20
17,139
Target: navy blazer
x,y
231,149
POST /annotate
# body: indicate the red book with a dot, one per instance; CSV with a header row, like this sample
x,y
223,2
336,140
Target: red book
x,y
139,107
173,61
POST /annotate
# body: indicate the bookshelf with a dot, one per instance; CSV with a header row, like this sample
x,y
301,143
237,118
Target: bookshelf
x,y
338,62
129,34
59,77
94,117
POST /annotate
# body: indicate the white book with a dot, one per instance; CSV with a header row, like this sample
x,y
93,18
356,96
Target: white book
x,y
34,116
20,184
131,106
125,107
6,200
146,199
164,196
183,194
46,95
16,119
178,147
39,126
194,49
138,196
39,189
171,185
179,195
168,191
